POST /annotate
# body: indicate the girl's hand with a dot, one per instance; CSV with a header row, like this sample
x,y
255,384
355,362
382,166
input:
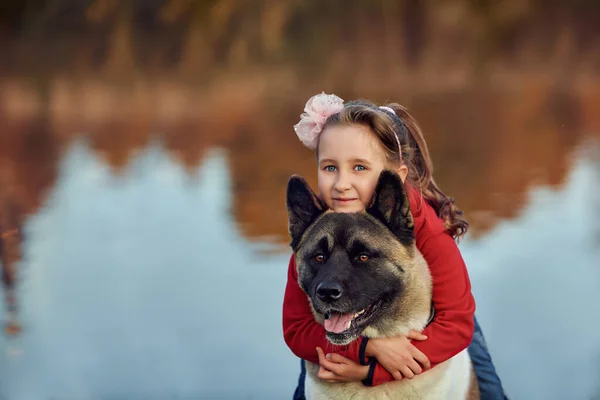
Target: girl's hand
x,y
398,356
337,368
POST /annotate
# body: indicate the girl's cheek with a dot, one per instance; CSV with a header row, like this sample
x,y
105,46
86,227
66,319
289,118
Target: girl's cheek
x,y
369,192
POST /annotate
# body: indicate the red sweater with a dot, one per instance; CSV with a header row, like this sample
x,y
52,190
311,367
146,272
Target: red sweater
x,y
449,333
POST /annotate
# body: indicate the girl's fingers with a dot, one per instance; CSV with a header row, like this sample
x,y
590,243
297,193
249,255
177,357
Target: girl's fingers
x,y
421,358
337,358
325,363
415,367
407,373
414,335
327,376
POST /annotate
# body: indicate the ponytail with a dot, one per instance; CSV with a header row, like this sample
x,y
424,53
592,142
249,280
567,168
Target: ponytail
x,y
420,166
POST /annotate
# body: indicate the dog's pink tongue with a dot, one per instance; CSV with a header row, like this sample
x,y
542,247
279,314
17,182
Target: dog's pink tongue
x,y
337,322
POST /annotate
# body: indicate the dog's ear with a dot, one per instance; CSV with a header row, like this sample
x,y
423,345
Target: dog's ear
x,y
390,205
303,207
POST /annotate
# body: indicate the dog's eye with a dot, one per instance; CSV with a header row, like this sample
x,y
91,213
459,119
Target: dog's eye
x,y
363,257
319,258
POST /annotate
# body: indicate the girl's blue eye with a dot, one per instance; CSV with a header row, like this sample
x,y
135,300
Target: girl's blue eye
x,y
360,168
329,168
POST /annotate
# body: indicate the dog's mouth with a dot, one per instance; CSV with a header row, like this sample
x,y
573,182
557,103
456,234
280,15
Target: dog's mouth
x,y
343,323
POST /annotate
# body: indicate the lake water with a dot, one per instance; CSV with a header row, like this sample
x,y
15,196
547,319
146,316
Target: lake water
x,y
141,286
150,178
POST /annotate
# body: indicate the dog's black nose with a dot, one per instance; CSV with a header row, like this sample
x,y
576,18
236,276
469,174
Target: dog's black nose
x,y
329,291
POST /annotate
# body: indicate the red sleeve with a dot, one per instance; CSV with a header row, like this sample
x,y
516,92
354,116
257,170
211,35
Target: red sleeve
x,y
451,330
301,332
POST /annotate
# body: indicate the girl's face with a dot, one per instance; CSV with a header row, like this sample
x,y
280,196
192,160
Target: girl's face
x,y
350,160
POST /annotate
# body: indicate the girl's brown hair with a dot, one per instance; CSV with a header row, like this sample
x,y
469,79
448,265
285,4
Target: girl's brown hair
x,y
415,155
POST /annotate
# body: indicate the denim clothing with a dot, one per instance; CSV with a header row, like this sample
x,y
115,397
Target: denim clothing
x,y
490,385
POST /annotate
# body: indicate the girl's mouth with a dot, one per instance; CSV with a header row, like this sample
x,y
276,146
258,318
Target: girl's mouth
x,y
344,200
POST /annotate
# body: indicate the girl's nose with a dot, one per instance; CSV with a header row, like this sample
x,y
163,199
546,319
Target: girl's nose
x,y
342,183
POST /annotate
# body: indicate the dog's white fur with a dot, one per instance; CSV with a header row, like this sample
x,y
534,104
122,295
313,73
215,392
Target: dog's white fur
x,y
447,381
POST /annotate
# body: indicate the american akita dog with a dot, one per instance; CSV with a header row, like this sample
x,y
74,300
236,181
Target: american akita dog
x,y
364,275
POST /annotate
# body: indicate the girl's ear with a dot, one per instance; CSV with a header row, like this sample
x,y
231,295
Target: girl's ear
x,y
402,171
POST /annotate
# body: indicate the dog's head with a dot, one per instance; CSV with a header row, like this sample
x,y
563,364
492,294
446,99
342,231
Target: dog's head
x,y
361,271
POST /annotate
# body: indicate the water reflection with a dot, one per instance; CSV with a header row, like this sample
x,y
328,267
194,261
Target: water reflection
x,y
139,285
490,144
536,281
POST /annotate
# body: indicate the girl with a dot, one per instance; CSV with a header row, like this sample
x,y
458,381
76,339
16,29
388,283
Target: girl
x,y
354,143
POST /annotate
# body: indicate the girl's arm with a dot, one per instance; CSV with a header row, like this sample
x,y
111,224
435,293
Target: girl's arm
x,y
301,332
451,330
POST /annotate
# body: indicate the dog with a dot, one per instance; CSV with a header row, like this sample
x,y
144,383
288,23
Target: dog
x,y
364,276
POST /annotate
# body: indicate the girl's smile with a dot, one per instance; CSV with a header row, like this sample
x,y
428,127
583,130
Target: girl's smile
x,y
350,161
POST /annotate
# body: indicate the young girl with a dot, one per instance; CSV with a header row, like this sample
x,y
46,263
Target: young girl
x,y
354,143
